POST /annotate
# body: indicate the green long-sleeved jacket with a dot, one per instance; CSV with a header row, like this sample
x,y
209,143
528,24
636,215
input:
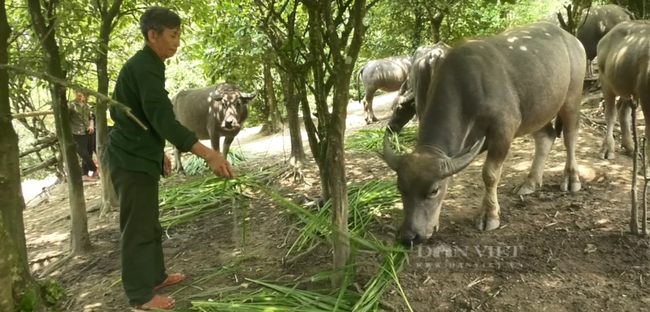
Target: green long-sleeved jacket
x,y
141,86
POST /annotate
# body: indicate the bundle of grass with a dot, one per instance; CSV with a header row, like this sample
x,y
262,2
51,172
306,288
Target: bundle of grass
x,y
367,202
195,165
186,202
373,140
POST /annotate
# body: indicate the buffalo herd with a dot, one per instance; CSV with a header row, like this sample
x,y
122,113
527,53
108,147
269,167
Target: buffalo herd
x,y
482,93
474,97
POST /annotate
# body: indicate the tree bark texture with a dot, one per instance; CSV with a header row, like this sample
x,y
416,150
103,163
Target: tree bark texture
x,y
79,237
109,198
15,278
273,118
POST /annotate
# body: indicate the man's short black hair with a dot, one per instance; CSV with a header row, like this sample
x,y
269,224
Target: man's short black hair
x,y
158,18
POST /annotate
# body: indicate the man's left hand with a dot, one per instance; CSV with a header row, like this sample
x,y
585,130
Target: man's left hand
x,y
91,130
167,167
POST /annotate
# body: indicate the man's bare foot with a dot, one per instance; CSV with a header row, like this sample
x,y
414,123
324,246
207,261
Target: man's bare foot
x,y
157,302
172,279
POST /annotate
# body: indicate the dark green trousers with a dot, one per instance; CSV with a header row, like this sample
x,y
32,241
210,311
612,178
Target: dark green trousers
x,y
143,265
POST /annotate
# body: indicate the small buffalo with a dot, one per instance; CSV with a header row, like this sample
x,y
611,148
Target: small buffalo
x,y
624,71
425,61
387,74
212,112
598,22
485,93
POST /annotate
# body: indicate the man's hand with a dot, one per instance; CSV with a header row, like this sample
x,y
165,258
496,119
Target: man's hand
x,y
167,166
91,130
220,165
215,160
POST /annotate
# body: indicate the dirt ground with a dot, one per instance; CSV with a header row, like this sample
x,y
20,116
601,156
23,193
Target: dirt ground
x,y
554,251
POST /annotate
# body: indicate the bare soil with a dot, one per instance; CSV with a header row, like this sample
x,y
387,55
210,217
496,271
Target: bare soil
x,y
575,251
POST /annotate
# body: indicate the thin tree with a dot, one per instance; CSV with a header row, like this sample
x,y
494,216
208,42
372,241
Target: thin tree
x,y
46,32
15,278
109,18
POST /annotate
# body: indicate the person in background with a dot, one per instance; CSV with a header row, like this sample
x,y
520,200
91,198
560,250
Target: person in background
x,y
136,158
83,132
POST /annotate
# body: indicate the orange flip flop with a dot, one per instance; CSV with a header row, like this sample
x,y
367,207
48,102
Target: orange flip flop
x,y
157,303
172,279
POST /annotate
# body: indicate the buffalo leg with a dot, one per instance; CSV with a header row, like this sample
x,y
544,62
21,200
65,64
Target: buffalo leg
x,y
644,101
367,106
544,139
488,218
177,161
214,139
607,148
625,118
226,146
570,115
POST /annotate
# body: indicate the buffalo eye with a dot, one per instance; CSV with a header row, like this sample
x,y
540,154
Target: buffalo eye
x,y
434,192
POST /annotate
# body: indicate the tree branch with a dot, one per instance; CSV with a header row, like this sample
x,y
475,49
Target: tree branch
x,y
371,4
66,84
31,114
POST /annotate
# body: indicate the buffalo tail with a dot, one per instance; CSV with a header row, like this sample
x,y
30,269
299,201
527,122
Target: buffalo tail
x,y
558,126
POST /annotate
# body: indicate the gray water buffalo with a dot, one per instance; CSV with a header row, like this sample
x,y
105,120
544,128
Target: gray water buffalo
x,y
385,74
599,21
485,93
624,71
212,112
425,61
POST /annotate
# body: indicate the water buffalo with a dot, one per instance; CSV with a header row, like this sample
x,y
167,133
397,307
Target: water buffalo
x,y
385,74
485,93
424,61
212,112
598,22
624,71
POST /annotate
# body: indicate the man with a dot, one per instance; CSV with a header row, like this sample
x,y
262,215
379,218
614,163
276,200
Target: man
x,y
136,158
82,131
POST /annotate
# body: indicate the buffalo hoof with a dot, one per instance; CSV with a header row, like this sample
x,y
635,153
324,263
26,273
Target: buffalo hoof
x,y
628,151
483,223
607,153
525,188
568,185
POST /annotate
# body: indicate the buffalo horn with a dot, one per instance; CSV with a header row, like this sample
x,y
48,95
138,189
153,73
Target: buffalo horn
x,y
215,96
459,162
391,159
249,95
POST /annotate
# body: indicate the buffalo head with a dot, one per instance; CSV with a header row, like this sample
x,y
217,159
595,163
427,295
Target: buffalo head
x,y
230,104
422,180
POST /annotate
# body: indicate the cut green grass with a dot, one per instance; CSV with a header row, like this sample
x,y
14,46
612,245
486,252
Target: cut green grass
x,y
367,202
373,140
195,165
184,203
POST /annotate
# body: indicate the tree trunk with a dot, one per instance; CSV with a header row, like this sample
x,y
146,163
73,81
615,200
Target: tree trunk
x,y
15,278
79,238
417,29
273,119
332,126
292,104
109,198
436,22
